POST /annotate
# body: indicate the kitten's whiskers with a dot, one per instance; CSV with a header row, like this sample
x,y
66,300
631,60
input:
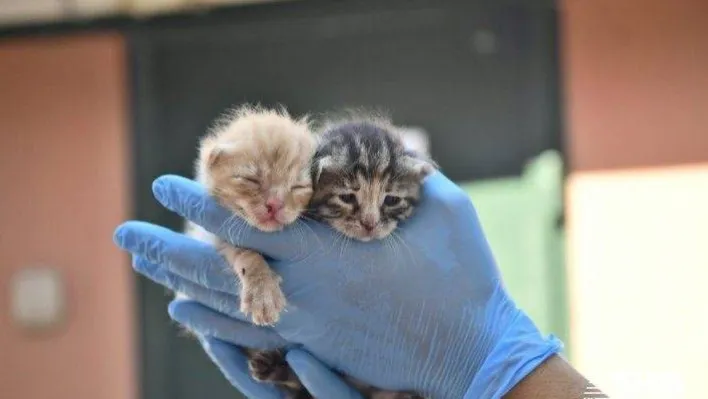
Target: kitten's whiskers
x,y
396,236
390,244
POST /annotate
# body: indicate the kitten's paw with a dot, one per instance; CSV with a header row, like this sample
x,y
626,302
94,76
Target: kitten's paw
x,y
267,366
263,300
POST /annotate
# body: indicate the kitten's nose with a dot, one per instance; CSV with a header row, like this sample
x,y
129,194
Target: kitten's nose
x,y
273,205
368,225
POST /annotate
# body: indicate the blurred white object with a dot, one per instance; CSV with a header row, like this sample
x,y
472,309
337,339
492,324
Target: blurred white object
x,y
93,8
156,7
16,12
416,139
20,12
37,297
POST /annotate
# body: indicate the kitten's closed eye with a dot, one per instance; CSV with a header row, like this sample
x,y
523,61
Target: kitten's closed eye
x,y
301,187
392,200
248,179
347,198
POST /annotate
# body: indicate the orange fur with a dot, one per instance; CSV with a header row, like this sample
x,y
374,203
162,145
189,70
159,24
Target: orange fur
x,y
252,156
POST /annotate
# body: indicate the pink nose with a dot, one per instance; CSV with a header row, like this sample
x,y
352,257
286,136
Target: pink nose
x,y
273,205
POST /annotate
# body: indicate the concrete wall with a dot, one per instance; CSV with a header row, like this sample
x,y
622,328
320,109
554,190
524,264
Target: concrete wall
x,y
637,99
64,180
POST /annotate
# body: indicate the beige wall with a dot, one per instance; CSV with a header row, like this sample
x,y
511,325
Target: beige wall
x,y
639,260
637,92
64,179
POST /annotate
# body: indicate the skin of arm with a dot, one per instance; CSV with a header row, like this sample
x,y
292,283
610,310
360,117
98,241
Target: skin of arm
x,y
555,379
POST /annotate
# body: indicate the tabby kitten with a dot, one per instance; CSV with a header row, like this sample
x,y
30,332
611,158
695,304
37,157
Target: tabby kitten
x,y
256,163
365,182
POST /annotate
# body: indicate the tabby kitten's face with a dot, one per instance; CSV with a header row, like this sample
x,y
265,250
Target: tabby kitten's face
x,y
365,181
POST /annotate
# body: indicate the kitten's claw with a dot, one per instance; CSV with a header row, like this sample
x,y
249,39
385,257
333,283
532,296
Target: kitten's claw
x,y
264,301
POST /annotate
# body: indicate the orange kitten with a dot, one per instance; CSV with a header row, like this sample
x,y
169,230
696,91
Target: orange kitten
x,y
256,163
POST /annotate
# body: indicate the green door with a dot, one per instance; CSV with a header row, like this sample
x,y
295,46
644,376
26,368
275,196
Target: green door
x,y
520,218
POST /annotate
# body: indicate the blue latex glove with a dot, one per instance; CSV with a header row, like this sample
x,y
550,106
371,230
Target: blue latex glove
x,y
425,310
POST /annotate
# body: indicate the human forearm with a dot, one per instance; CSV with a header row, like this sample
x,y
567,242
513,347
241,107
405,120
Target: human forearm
x,y
555,379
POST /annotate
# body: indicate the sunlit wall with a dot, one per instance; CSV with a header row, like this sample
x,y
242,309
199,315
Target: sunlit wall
x,y
636,92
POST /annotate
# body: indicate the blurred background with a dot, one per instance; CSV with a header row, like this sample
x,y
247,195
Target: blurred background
x,y
578,127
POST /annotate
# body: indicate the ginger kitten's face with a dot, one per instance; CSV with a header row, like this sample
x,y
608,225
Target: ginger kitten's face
x,y
365,180
259,169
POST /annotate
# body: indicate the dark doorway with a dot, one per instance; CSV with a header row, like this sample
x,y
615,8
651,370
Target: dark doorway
x,y
480,77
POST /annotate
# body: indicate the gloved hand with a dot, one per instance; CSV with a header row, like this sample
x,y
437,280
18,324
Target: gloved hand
x,y
425,310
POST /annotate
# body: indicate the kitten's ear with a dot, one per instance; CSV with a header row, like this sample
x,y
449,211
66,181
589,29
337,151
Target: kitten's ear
x,y
319,165
215,152
420,165
417,151
415,139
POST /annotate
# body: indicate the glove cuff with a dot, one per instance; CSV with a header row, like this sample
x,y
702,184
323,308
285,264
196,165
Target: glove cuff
x,y
520,349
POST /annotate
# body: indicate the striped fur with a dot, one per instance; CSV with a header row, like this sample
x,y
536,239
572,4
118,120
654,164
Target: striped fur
x,y
363,175
365,182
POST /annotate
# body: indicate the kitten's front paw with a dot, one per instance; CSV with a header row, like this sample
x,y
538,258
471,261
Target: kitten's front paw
x,y
263,300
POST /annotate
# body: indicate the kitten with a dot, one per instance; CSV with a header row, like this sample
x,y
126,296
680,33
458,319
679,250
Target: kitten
x,y
256,163
365,182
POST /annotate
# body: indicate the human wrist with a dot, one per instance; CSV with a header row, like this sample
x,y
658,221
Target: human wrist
x,y
518,351
554,378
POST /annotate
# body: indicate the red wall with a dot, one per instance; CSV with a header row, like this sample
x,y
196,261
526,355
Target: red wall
x,y
64,178
635,82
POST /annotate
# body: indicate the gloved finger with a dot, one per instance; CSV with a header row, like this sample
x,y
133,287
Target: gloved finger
x,y
318,378
192,259
205,321
439,195
219,301
234,366
190,200
438,186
